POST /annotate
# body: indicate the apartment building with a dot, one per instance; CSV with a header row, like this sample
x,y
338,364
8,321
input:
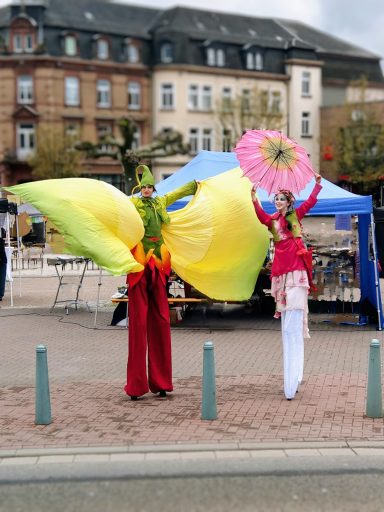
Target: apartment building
x,y
76,66
83,64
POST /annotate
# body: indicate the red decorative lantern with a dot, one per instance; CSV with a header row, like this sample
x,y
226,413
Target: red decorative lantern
x,y
328,153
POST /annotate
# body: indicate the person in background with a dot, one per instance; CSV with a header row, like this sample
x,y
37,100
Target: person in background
x,y
3,263
149,322
291,275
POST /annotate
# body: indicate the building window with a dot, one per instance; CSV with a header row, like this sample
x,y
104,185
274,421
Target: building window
x,y
166,53
23,43
103,93
17,43
264,102
215,57
254,61
102,49
70,46
200,139
134,96
28,38
305,124
200,97
25,89
193,97
306,83
167,96
226,99
227,140
275,102
25,140
194,140
246,101
132,53
72,89
250,63
220,57
72,131
136,142
259,61
211,57
206,98
206,141
104,132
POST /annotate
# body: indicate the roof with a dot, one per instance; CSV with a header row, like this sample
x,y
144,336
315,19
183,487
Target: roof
x,y
202,24
324,42
97,16
269,32
102,16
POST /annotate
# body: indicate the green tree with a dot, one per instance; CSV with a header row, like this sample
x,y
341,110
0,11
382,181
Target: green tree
x,y
55,156
360,143
122,149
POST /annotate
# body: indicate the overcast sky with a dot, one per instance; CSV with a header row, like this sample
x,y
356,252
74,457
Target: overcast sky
x,y
358,22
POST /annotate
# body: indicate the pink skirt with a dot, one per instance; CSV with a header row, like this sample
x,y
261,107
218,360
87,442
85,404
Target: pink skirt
x,y
290,292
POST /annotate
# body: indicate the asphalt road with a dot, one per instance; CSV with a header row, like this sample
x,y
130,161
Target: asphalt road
x,y
300,484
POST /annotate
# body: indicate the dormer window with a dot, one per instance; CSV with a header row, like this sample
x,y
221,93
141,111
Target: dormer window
x,y
211,57
132,53
254,60
70,45
220,57
166,53
102,49
23,34
215,57
132,50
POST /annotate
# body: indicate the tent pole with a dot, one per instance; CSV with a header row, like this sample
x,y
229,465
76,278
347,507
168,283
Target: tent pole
x,y
377,285
98,297
18,250
9,254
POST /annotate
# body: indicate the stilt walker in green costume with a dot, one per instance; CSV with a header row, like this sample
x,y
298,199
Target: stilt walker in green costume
x,y
149,323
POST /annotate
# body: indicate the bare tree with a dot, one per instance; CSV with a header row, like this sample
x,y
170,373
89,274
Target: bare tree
x,y
55,156
252,109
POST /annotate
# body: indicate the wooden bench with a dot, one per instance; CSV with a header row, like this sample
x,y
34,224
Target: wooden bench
x,y
184,302
171,300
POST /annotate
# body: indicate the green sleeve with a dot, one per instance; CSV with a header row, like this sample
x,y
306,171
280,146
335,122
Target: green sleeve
x,y
188,189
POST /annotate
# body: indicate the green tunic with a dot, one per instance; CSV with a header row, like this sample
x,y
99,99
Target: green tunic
x,y
153,212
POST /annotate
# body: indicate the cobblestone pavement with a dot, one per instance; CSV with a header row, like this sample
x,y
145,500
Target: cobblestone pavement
x,y
87,361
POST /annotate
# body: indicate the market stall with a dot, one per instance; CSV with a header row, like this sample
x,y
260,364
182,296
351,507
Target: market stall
x,y
332,200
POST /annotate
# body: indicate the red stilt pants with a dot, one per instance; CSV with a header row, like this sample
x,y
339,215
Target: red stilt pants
x,y
149,326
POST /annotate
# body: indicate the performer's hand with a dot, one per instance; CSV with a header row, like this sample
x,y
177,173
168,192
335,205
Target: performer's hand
x,y
253,191
317,177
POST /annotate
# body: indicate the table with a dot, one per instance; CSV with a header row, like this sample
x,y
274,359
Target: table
x,y
60,262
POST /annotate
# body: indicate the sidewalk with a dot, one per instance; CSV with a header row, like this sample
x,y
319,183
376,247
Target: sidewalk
x,y
91,413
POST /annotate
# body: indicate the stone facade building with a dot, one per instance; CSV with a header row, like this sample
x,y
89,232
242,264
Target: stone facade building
x,y
80,65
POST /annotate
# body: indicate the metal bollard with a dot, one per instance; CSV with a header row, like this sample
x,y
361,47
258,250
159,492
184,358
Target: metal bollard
x,y
374,397
43,402
208,406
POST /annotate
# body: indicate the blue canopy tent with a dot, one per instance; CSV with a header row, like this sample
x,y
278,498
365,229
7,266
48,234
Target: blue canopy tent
x,y
332,200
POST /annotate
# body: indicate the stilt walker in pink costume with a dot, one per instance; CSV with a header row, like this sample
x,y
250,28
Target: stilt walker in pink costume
x,y
149,323
291,278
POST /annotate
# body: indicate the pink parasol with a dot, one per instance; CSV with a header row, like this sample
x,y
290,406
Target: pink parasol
x,y
273,161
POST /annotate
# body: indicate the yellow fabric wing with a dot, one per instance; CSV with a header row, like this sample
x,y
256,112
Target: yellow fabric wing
x,y
96,219
216,242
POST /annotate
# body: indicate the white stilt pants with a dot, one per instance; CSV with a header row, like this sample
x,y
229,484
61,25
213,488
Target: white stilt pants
x,y
293,349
